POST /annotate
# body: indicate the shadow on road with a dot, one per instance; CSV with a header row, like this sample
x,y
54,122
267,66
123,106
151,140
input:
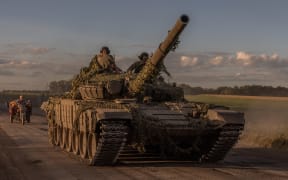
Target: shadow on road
x,y
240,158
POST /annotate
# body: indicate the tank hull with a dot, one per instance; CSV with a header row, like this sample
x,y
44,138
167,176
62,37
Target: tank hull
x,y
106,132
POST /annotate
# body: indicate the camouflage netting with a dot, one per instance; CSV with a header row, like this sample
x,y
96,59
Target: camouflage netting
x,y
149,72
86,73
94,74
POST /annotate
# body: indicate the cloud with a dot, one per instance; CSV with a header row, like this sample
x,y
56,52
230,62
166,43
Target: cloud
x,y
188,61
3,61
238,74
240,58
37,50
262,60
17,63
6,73
20,49
207,69
37,73
216,69
216,60
35,69
244,58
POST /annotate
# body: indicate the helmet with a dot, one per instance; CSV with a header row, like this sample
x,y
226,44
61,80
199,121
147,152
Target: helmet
x,y
144,56
106,49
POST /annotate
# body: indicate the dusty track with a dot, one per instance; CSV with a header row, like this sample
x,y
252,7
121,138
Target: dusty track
x,y
26,154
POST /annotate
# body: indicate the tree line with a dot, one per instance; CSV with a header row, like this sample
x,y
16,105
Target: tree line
x,y
248,90
60,87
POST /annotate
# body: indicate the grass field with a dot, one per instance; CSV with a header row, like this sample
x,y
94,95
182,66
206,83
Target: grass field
x,y
244,103
266,117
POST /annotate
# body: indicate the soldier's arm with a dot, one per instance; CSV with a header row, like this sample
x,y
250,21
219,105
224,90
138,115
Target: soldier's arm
x,y
166,71
131,67
112,65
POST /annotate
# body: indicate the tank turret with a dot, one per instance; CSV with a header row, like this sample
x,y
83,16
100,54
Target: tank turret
x,y
111,86
151,66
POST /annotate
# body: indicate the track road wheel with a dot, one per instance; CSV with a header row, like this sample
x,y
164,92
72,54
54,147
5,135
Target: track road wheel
x,y
57,134
69,136
83,139
92,147
75,142
51,134
63,137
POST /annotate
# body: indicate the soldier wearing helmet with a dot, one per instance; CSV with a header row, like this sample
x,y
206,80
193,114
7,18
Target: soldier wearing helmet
x,y
101,63
137,66
104,59
104,62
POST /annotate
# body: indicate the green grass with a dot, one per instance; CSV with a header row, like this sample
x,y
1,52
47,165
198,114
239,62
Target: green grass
x,y
243,103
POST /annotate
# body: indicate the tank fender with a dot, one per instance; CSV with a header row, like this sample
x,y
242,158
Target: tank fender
x,y
113,114
227,116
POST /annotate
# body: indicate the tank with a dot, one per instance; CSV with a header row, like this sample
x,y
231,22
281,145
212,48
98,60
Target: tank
x,y
124,117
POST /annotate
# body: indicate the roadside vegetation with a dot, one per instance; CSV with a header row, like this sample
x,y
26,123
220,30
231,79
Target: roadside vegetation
x,y
266,118
248,90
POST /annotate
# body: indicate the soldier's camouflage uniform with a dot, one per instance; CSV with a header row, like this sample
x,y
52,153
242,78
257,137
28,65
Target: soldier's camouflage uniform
x,y
137,66
99,64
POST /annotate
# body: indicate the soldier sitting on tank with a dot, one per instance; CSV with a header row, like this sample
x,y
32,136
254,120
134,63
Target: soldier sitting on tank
x,y
137,66
104,62
101,63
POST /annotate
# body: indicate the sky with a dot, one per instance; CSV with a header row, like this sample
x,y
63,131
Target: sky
x,y
226,42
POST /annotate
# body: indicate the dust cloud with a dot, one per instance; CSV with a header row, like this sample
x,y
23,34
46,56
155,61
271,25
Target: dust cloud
x,y
266,126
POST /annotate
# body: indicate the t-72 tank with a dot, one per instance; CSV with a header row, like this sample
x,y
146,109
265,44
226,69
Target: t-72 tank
x,y
125,117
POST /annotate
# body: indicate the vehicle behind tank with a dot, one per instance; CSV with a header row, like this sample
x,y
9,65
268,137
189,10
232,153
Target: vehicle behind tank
x,y
120,117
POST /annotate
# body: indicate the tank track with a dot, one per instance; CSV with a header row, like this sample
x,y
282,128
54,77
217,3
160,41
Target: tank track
x,y
130,154
111,141
228,136
108,143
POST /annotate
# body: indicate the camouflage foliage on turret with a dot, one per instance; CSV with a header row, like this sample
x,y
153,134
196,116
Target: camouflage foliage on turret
x,y
86,73
153,64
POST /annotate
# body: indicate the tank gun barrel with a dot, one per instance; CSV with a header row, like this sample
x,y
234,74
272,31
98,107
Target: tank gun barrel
x,y
151,68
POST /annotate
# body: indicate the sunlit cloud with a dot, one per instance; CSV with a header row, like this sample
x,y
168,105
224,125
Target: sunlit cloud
x,y
275,56
37,50
247,59
202,69
188,61
238,74
216,60
244,58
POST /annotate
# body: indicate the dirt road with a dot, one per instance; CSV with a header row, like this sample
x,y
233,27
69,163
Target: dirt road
x,y
25,154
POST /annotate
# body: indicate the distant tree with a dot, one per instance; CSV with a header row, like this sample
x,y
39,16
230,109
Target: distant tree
x,y
59,87
191,90
248,90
